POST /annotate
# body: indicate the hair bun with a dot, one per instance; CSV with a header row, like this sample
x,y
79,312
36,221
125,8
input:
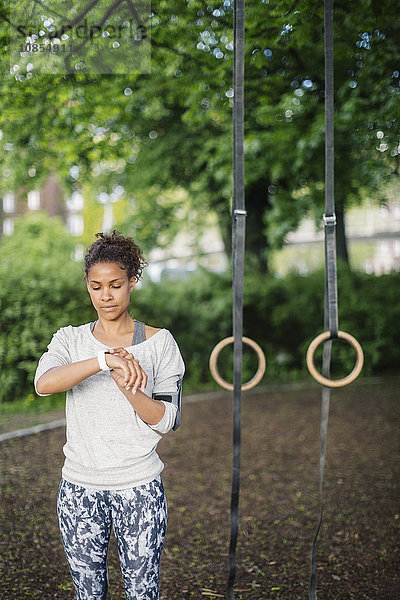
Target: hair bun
x,y
118,248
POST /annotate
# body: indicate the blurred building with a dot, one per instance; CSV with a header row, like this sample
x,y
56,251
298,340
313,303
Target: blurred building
x,y
49,198
181,257
373,239
373,235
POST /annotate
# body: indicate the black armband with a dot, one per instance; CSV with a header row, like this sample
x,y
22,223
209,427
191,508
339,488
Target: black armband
x,y
175,398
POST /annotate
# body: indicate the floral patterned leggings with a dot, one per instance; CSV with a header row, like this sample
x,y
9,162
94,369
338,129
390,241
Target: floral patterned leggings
x,y
138,516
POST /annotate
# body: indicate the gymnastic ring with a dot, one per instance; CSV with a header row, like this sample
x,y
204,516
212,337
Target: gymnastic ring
x,y
334,383
229,386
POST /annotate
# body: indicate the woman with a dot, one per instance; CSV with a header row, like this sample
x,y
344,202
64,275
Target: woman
x,y
111,369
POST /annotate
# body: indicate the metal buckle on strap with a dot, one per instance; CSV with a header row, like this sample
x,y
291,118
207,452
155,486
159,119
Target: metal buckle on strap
x,y
329,219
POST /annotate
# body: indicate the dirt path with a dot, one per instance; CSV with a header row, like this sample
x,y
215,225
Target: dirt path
x,y
358,552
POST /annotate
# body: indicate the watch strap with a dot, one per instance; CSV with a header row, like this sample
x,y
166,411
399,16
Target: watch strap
x,y
102,360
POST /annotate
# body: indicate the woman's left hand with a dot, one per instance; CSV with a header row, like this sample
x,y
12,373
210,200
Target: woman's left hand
x,y
139,381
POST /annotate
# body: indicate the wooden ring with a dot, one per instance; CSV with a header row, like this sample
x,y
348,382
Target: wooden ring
x,y
334,383
214,370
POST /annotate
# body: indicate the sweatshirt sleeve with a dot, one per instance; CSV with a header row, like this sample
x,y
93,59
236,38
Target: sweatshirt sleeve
x,y
169,369
57,355
168,420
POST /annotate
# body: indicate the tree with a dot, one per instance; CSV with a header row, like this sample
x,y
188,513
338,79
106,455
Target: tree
x,y
42,289
172,127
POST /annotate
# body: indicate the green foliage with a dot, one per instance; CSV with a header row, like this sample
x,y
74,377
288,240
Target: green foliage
x,y
42,289
197,311
173,127
281,315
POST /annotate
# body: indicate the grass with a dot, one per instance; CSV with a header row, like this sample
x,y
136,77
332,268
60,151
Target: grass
x,y
33,404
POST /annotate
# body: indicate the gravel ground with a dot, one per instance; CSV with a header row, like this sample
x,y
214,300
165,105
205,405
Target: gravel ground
x,y
358,550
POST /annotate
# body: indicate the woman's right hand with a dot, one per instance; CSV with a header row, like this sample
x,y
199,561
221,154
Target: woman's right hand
x,y
127,371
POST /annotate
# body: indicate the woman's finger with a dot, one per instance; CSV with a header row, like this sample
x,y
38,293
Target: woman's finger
x,y
124,366
141,381
144,380
118,362
119,351
133,369
125,373
134,377
138,376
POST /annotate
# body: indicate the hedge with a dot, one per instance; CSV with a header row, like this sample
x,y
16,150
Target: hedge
x,y
42,289
282,316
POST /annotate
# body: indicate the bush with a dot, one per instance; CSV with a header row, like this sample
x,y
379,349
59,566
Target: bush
x,y
43,289
281,315
198,313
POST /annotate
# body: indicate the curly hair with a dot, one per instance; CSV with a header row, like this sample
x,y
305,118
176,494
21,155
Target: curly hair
x,y
116,248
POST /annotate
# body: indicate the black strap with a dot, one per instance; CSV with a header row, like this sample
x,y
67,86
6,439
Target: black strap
x,y
331,303
331,312
238,238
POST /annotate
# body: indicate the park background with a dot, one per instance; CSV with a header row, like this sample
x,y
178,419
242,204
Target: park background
x,y
150,154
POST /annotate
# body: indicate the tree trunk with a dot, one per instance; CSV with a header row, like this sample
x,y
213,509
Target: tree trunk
x,y
256,241
341,240
256,244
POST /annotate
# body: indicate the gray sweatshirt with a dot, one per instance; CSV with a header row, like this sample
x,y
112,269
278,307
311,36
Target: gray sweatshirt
x,y
108,445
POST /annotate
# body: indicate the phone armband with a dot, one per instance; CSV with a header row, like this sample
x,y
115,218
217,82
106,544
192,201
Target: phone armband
x,y
176,399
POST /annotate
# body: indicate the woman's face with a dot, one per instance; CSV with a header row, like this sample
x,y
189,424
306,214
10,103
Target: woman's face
x,y
109,289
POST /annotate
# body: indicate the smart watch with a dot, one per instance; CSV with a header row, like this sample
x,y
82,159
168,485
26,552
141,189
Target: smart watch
x,y
102,360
